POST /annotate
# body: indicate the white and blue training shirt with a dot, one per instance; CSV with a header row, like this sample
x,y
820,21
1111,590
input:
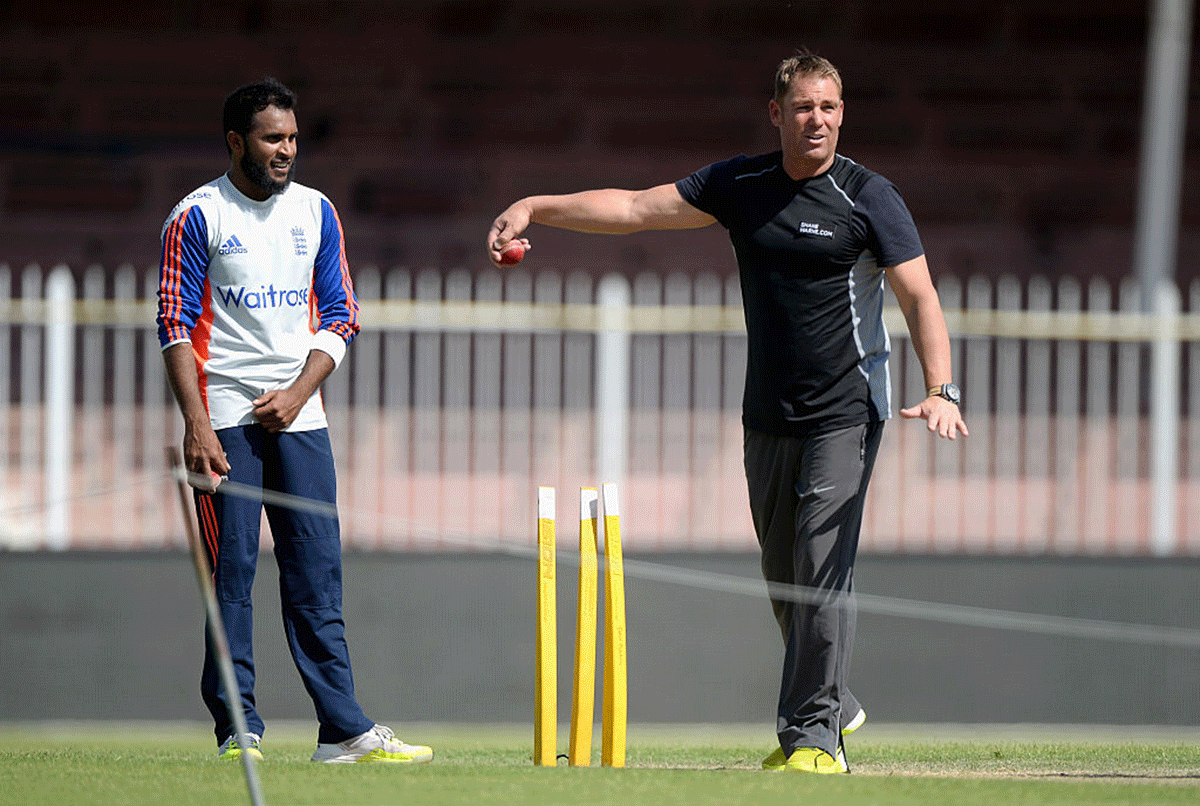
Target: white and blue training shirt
x,y
255,286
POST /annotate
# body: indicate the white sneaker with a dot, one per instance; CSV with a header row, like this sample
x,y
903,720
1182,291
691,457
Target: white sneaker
x,y
377,744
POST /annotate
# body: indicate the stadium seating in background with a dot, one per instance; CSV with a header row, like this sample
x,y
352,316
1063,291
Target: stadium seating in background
x,y
999,122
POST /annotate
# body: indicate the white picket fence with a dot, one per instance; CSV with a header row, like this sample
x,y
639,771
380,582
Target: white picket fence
x,y
465,391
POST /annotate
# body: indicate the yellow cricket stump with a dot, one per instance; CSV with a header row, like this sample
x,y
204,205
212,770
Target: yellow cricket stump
x,y
613,719
545,723
613,724
582,705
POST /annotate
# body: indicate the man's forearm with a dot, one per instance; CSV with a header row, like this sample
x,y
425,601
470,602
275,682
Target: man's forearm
x,y
317,368
931,341
185,383
599,211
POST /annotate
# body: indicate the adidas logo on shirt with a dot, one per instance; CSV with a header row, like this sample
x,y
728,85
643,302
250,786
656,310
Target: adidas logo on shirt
x,y
232,247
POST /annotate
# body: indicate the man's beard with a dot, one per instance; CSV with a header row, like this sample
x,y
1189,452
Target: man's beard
x,y
257,174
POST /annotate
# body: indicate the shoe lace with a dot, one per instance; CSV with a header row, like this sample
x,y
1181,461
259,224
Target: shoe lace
x,y
252,740
384,732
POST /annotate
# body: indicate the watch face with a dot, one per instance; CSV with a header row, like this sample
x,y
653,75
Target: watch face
x,y
951,393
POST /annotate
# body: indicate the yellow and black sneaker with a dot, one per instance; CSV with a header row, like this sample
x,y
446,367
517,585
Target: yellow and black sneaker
x,y
855,724
231,749
805,759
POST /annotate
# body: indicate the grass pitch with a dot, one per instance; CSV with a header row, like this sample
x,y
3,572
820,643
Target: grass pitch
x,y
157,765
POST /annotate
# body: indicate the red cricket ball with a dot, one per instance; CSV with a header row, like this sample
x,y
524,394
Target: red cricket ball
x,y
512,254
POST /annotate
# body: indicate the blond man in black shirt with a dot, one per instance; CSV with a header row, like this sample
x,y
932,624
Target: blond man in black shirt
x,y
815,235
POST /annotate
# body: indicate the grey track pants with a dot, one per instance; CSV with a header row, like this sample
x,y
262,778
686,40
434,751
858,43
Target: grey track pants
x,y
806,500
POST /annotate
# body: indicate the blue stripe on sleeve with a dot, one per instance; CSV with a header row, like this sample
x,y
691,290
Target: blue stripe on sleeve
x,y
336,303
182,270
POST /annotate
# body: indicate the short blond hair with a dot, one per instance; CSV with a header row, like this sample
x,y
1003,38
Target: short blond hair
x,y
804,64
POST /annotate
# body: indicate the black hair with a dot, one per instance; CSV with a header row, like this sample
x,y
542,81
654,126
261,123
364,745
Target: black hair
x,y
245,102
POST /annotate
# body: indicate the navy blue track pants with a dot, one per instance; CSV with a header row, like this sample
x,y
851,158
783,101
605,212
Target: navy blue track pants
x,y
308,553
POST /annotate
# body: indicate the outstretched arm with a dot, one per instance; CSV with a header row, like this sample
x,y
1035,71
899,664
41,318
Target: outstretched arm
x,y
609,211
927,328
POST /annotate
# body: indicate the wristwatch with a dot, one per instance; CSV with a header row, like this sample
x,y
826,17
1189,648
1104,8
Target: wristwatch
x,y
949,391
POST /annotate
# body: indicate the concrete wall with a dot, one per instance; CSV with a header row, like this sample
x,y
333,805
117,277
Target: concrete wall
x,y
450,638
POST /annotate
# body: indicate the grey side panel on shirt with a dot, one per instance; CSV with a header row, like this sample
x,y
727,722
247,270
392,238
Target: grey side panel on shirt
x,y
870,335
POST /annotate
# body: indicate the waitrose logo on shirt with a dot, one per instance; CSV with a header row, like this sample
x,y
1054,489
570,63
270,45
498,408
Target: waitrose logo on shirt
x,y
262,297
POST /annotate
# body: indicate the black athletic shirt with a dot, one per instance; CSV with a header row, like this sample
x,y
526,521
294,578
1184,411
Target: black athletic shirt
x,y
811,255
